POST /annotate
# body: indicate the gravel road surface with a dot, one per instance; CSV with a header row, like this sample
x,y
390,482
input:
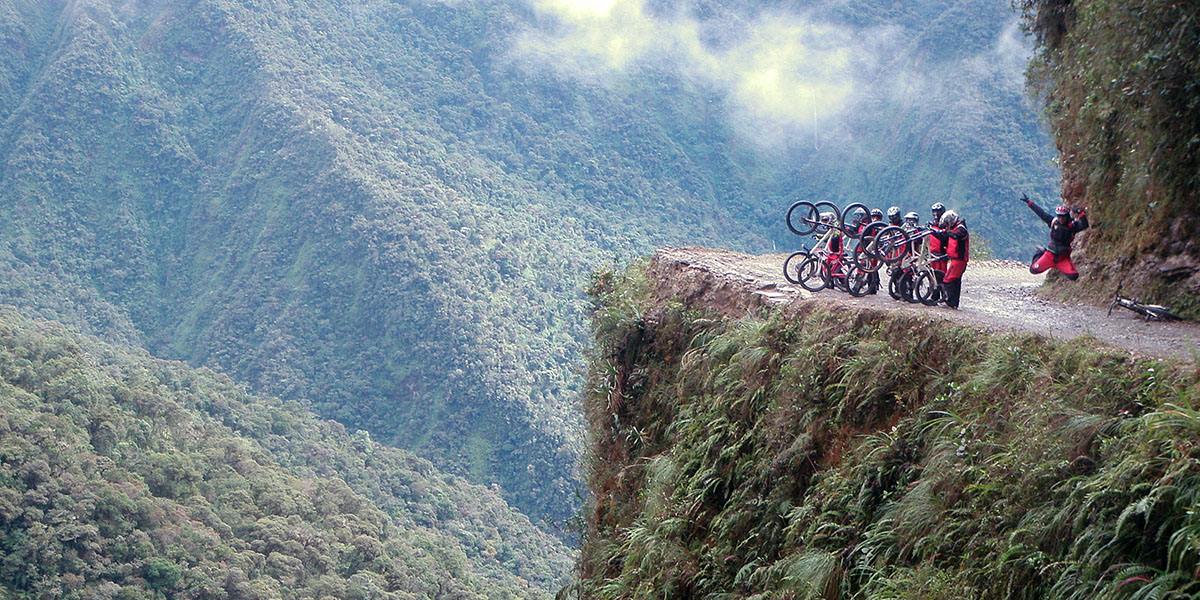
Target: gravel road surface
x,y
997,296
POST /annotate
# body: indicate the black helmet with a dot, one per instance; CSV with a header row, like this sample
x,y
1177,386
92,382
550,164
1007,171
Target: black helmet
x,y
938,207
876,213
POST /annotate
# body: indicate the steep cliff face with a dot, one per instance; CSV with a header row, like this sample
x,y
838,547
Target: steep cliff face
x,y
810,451
1120,81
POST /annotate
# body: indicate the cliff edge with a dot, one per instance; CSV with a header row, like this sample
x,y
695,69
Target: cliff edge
x,y
748,441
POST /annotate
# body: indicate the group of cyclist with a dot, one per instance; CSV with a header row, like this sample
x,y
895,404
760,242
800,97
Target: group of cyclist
x,y
940,249
949,244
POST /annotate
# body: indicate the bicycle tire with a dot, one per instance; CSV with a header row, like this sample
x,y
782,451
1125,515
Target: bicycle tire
x,y
925,289
850,213
892,245
811,274
788,267
858,282
867,239
1159,313
806,221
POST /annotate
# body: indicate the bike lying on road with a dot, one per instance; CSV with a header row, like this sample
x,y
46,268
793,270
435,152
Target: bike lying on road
x,y
1149,312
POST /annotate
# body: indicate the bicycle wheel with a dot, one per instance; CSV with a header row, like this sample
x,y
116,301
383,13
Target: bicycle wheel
x,y
867,239
860,259
791,266
925,289
854,215
1155,312
891,245
858,282
803,218
811,274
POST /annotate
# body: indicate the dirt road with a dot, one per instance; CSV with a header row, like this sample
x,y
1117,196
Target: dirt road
x,y
997,295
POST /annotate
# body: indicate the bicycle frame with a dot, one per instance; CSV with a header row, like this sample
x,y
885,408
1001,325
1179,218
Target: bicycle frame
x,y
1149,312
919,266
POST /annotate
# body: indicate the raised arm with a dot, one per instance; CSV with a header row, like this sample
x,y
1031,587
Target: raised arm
x,y
1037,210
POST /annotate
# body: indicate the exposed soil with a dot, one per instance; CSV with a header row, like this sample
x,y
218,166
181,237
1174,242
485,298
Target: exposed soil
x,y
997,296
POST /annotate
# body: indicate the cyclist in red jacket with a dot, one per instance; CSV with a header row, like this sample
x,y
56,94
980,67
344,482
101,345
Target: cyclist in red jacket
x,y
1062,231
957,243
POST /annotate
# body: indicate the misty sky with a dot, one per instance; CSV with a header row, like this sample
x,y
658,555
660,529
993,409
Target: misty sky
x,y
776,69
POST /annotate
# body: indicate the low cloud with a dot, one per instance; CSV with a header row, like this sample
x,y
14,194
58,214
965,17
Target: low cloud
x,y
784,68
1012,51
787,78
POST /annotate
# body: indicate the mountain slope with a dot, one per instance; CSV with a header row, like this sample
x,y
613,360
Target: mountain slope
x,y
121,473
387,208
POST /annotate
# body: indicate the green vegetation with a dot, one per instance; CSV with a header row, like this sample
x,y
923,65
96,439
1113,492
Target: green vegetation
x,y
815,452
1121,82
386,209
126,477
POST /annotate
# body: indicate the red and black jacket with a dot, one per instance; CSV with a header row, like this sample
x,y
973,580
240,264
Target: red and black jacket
x,y
956,241
1062,231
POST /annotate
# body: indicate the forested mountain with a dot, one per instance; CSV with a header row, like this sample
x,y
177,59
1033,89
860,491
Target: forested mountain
x,y
122,476
385,209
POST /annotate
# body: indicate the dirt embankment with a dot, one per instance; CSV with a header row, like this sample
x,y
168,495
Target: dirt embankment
x,y
997,296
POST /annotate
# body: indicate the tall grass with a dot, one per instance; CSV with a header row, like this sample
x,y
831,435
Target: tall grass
x,y
814,454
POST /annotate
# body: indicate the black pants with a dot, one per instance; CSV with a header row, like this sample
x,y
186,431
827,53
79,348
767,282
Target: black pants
x,y
953,290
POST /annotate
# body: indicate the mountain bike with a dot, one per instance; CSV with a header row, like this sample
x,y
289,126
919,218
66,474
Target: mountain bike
x,y
914,279
814,271
821,267
865,254
1149,312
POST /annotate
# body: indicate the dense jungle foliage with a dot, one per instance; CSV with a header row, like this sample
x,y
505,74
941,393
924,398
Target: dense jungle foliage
x,y
125,477
1121,85
386,208
815,452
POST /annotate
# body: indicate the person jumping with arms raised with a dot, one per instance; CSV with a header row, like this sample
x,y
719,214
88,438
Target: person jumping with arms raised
x,y
1062,231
